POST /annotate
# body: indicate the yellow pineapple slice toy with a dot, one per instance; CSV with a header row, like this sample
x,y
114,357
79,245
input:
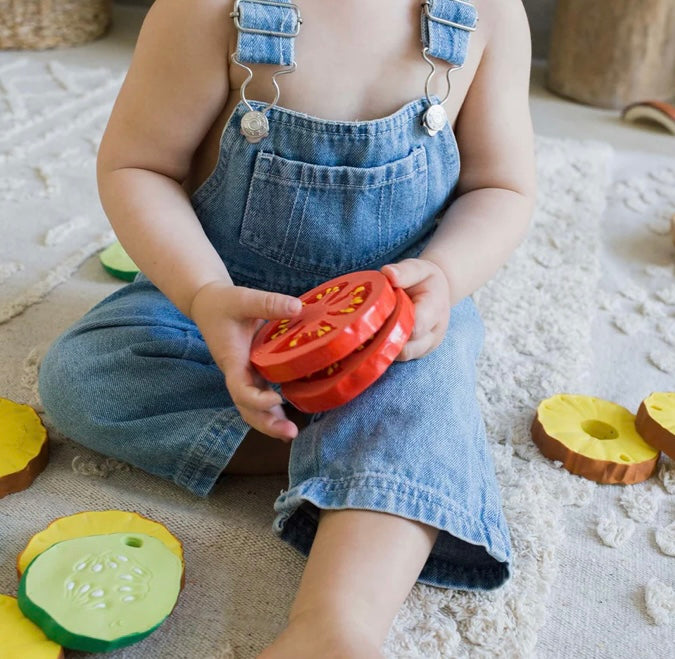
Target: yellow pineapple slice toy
x,y
95,522
20,638
593,438
656,421
23,446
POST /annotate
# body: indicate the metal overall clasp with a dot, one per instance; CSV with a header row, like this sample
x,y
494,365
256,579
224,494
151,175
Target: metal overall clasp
x,y
435,117
254,125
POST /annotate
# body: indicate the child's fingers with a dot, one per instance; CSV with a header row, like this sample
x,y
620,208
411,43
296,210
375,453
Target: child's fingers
x,y
426,314
253,303
407,273
272,422
246,392
416,348
260,408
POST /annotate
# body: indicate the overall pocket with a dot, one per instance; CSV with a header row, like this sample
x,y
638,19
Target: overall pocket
x,y
328,220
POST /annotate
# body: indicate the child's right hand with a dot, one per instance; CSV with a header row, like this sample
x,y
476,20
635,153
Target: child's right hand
x,y
228,317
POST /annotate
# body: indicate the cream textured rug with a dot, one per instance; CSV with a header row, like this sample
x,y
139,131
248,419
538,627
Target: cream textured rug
x,y
240,579
615,591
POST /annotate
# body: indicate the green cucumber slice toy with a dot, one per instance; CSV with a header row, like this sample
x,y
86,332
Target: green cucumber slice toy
x,y
103,592
118,263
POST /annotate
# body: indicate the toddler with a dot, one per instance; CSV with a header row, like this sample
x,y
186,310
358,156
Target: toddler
x,y
233,200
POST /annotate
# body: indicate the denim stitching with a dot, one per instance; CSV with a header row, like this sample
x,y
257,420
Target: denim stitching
x,y
291,258
391,203
424,188
189,470
292,213
317,268
379,220
328,186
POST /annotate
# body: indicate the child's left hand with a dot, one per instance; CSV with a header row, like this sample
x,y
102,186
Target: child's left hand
x,y
428,288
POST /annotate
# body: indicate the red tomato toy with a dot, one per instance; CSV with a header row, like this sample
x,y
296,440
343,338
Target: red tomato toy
x,y
337,318
347,378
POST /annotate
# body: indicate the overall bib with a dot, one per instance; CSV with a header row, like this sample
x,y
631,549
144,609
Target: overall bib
x,y
309,200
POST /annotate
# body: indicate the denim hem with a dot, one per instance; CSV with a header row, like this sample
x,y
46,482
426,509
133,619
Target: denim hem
x,y
297,524
210,452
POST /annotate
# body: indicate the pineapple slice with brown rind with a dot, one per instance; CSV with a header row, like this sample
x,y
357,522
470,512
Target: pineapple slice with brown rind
x,y
24,451
593,438
656,421
95,522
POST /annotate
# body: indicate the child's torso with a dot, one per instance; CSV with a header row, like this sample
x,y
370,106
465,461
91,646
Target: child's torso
x,y
356,61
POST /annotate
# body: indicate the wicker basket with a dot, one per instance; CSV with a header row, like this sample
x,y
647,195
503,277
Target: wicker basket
x,y
38,24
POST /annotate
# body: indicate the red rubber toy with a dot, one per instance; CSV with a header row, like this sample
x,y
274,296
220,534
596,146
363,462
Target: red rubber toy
x,y
346,379
337,317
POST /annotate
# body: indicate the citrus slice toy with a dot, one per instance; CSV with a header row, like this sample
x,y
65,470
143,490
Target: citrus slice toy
x,y
24,448
656,421
118,263
347,378
20,638
337,317
95,522
103,592
593,438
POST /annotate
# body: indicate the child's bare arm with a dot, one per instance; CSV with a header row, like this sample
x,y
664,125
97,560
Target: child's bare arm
x,y
496,189
175,87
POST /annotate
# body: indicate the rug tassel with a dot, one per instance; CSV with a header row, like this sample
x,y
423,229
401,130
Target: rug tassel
x,y
94,468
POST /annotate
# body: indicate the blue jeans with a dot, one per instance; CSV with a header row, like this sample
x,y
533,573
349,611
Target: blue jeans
x,y
314,199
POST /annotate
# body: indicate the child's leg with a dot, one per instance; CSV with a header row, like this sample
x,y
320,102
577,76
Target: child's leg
x,y
360,569
133,379
410,447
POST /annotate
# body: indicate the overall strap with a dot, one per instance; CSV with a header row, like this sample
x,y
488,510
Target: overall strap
x,y
446,26
266,31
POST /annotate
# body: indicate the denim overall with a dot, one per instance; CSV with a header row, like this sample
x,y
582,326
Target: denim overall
x,y
309,201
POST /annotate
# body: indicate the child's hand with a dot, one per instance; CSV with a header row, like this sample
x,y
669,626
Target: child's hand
x,y
228,317
428,288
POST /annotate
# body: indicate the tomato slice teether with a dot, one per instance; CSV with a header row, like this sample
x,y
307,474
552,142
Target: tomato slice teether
x,y
347,378
336,318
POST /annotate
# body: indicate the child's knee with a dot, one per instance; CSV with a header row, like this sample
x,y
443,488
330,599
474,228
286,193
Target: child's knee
x,y
64,384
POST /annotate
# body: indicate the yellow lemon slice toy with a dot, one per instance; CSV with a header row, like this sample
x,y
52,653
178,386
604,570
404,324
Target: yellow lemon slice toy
x,y
20,638
24,450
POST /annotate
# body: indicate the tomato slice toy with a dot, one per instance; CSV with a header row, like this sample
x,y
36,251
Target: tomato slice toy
x,y
346,379
337,317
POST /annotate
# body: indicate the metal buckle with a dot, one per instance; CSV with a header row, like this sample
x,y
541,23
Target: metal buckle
x,y
288,5
425,50
254,124
242,89
444,21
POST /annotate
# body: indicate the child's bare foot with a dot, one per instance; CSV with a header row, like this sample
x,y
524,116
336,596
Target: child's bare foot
x,y
306,638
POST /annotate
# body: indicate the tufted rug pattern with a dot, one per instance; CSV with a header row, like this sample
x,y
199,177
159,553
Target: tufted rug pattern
x,y
240,582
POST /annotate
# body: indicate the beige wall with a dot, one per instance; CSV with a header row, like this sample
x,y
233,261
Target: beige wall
x,y
540,14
